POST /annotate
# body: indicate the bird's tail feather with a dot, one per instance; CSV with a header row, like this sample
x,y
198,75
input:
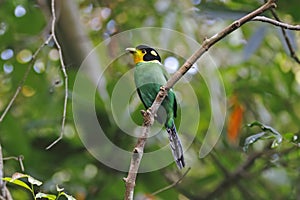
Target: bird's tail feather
x,y
176,146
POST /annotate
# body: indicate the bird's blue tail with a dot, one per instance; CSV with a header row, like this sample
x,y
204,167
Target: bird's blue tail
x,y
176,146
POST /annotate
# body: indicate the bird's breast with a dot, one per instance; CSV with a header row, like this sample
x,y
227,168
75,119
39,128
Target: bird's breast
x,y
148,74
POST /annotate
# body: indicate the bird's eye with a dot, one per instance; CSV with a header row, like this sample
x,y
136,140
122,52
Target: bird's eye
x,y
143,51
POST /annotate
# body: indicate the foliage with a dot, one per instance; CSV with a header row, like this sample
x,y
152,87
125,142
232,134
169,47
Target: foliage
x,y
268,132
253,62
16,179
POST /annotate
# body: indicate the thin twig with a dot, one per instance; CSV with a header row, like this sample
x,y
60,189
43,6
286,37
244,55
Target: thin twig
x,y
227,174
135,160
173,184
63,68
286,38
19,158
21,83
12,100
276,23
4,192
2,186
233,177
239,173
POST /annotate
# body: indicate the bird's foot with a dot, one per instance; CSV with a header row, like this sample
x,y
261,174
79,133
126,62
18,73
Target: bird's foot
x,y
163,90
148,117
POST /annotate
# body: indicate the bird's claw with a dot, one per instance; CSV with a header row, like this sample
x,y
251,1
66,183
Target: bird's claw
x,y
163,91
148,118
162,88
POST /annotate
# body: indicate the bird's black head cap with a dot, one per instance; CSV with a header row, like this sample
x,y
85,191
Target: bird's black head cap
x,y
150,54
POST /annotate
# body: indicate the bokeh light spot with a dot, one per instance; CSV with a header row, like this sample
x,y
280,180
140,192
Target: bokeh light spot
x,y
20,11
24,56
162,5
53,55
7,54
193,69
105,13
61,177
28,91
171,63
3,28
90,171
111,26
39,66
196,2
69,131
96,24
8,68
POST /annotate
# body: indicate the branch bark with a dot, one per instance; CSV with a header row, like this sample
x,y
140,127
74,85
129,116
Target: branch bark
x,y
287,39
207,43
137,155
2,186
4,192
277,23
64,72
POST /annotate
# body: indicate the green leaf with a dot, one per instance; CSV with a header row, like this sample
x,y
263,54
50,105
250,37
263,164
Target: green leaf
x,y
18,175
17,182
34,181
31,180
268,132
265,128
69,197
58,189
292,137
47,196
252,139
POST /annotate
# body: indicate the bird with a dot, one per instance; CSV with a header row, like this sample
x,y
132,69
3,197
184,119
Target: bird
x,y
149,76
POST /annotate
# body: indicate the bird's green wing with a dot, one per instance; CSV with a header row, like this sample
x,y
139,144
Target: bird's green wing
x,y
175,107
140,95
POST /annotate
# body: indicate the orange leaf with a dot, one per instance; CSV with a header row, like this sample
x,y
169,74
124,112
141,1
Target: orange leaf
x,y
235,122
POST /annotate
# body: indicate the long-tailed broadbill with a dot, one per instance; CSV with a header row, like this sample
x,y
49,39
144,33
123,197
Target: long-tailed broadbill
x,y
149,76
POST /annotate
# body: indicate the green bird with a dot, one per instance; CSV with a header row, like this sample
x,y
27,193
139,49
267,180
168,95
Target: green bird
x,y
149,76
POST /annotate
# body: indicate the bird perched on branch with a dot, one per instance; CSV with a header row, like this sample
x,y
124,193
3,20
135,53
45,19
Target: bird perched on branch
x,y
149,76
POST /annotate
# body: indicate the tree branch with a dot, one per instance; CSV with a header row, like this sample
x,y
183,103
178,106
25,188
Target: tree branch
x,y
233,177
287,40
173,184
207,43
19,158
137,155
227,175
4,192
277,23
63,69
2,186
239,173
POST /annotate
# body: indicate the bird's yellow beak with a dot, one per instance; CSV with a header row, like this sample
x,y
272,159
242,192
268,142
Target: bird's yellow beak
x,y
131,50
137,54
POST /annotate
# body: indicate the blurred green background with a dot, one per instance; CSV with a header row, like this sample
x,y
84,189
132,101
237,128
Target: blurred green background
x,y
261,80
